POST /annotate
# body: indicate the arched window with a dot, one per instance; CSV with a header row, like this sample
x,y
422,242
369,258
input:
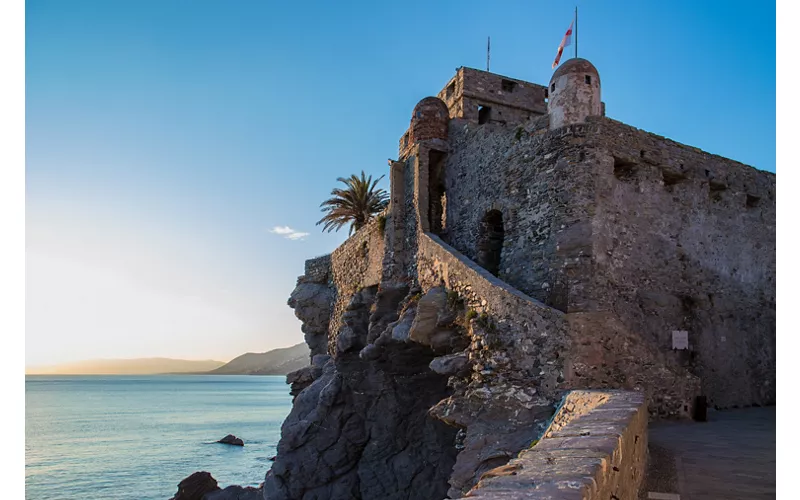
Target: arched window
x,y
490,241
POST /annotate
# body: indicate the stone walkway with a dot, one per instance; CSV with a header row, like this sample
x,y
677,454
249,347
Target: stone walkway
x,y
731,457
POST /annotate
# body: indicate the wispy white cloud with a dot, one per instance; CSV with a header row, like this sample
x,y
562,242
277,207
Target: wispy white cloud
x,y
288,233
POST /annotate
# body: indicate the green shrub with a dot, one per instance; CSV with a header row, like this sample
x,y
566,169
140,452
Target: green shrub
x,y
472,314
485,322
454,300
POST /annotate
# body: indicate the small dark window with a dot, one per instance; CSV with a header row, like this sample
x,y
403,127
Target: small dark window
x,y
546,94
450,90
405,141
508,85
490,241
588,79
484,114
553,87
752,201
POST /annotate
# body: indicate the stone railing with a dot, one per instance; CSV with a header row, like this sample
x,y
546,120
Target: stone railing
x,y
534,334
595,448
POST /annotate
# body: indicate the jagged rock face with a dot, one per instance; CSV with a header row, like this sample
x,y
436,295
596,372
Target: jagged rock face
x,y
355,321
302,378
362,431
360,427
312,304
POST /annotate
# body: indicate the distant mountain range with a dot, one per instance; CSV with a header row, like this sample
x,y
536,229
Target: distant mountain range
x,y
141,366
275,362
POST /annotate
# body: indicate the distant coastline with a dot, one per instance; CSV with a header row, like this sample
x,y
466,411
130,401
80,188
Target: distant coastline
x,y
275,362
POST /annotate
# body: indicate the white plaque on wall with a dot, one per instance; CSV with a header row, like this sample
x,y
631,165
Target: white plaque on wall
x,y
680,339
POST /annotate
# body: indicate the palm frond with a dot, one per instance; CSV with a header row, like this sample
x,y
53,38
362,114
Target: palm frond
x,y
356,204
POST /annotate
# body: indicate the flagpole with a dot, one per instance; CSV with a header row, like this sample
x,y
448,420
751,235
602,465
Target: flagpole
x,y
488,51
576,32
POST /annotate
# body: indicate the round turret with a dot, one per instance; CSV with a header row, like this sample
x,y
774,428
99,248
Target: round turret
x,y
429,120
574,93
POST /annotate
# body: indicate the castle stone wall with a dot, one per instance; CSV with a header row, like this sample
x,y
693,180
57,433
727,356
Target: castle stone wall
x,y
685,241
644,235
545,197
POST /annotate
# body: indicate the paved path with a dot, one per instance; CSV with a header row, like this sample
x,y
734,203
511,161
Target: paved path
x,y
731,457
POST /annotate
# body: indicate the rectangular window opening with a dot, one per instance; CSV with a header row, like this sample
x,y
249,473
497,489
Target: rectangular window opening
x,y
508,85
752,201
588,79
451,89
484,114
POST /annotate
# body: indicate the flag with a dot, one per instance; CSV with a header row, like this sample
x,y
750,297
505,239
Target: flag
x,y
564,42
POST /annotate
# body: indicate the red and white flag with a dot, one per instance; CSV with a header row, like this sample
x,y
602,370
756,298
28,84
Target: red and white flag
x,y
564,42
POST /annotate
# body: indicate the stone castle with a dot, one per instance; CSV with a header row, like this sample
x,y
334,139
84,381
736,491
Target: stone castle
x,y
532,246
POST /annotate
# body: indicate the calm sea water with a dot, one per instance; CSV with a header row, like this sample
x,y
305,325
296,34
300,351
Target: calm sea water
x,y
137,437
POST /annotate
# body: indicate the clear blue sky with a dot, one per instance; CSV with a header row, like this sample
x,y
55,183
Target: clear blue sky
x,y
166,139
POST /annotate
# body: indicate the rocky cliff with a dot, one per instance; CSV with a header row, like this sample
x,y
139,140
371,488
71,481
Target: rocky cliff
x,y
422,388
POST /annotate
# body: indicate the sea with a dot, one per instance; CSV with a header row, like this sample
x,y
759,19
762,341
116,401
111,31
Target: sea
x,y
137,437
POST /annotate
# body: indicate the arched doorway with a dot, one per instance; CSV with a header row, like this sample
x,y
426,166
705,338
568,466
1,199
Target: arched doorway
x,y
490,241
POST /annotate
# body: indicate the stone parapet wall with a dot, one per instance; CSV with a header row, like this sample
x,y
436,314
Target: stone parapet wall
x,y
356,263
594,449
317,270
512,101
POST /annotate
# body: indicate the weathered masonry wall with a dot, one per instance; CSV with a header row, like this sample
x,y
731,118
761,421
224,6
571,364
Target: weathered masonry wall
x,y
685,241
532,336
543,186
594,449
357,263
511,101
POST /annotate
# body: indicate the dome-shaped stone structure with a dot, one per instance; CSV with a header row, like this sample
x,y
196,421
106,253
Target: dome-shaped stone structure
x,y
575,65
574,93
429,120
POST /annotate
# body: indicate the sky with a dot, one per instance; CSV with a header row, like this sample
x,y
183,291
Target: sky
x,y
177,151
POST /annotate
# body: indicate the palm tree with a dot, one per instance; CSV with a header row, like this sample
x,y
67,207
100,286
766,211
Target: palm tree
x,y
357,204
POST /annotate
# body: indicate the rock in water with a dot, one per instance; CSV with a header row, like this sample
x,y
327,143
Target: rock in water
x,y
196,486
236,493
231,439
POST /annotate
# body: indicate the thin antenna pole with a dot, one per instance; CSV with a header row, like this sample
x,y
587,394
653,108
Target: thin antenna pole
x,y
488,51
576,32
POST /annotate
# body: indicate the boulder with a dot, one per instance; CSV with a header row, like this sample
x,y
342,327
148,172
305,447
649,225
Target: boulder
x,y
425,322
236,492
231,439
400,328
450,364
196,486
